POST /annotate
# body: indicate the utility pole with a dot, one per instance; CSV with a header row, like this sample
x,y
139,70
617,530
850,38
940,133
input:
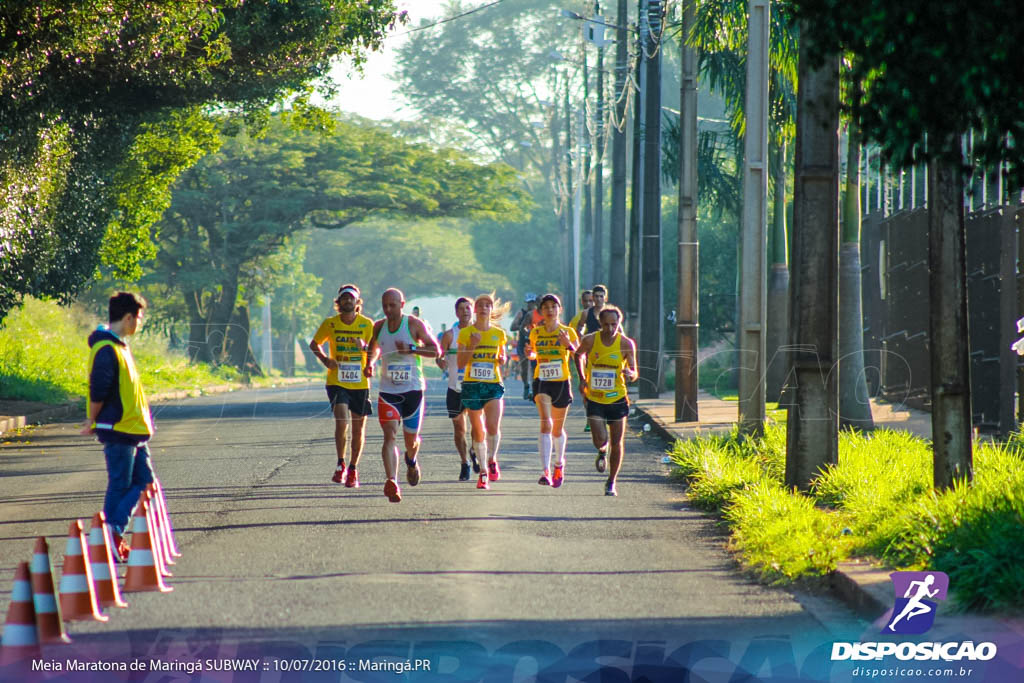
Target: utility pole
x,y
588,198
597,270
617,235
636,192
687,280
651,314
754,238
569,197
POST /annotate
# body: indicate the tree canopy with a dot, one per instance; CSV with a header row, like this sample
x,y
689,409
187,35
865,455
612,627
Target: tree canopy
x,y
240,204
935,69
94,96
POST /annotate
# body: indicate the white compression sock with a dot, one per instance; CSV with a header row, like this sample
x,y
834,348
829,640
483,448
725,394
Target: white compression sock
x,y
560,442
492,445
545,451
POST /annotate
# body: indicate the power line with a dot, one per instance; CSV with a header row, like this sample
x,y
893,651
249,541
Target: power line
x,y
445,21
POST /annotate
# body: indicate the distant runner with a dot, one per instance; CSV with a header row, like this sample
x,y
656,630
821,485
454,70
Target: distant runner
x,y
610,363
523,321
589,322
449,362
552,343
400,341
348,336
481,353
586,301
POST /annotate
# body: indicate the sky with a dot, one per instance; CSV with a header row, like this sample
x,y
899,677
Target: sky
x,y
372,95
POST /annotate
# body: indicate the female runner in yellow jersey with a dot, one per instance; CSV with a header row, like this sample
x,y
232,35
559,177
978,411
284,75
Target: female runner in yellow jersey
x,y
552,343
610,363
481,355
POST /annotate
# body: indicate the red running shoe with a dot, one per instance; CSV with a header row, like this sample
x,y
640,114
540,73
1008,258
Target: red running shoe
x,y
481,483
392,491
121,548
559,476
352,479
339,475
545,479
493,471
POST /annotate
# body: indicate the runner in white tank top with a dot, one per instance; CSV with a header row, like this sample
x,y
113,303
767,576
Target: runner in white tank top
x,y
400,342
453,401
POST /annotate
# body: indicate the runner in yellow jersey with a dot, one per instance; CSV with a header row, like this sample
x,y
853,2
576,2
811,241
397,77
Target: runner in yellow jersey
x,y
610,363
348,335
481,355
553,344
586,301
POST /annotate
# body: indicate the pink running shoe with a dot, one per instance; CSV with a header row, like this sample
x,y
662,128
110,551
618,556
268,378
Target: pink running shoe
x,y
481,483
559,476
493,471
545,479
352,479
339,475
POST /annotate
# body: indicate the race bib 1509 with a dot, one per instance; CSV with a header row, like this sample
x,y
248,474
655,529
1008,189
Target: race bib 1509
x,y
482,371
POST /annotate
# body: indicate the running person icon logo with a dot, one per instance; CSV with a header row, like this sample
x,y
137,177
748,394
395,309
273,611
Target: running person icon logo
x,y
916,596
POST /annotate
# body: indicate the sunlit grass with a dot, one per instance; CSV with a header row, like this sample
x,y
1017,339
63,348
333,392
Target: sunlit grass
x,y
877,502
44,356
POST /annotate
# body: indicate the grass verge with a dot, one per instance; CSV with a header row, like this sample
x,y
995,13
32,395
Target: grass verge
x,y
44,356
878,503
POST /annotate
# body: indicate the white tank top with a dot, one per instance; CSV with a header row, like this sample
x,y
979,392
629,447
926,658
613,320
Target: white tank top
x,y
400,372
451,357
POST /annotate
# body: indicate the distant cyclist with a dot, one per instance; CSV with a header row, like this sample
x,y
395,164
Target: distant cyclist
x,y
401,342
348,336
448,362
553,344
610,363
481,353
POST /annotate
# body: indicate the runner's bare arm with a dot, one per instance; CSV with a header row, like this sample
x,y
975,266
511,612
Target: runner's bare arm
x,y
580,358
629,351
373,352
446,342
318,351
428,348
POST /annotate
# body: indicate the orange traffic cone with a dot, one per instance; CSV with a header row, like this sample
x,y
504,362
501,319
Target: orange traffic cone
x,y
20,642
48,618
143,573
101,561
156,534
166,518
77,591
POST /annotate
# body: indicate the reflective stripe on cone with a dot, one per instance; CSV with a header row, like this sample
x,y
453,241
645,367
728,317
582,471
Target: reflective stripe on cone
x,y
49,622
77,590
101,561
143,573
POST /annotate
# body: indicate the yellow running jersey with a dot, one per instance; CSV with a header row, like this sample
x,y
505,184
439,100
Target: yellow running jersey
x,y
604,371
343,342
483,367
552,357
576,318
135,417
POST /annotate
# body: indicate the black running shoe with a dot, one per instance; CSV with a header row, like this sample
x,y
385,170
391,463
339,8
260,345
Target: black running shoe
x,y
476,465
464,472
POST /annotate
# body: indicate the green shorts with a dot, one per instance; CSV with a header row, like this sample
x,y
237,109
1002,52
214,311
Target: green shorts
x,y
476,394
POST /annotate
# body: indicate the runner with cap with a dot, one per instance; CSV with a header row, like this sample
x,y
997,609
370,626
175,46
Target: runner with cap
x,y
348,389
553,344
400,341
481,353
448,362
610,363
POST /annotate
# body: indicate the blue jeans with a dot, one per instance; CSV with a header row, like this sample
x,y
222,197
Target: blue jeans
x,y
129,471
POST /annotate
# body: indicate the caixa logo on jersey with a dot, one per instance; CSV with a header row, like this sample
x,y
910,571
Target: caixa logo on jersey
x,y
917,595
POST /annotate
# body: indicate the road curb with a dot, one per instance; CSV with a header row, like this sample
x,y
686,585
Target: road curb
x,y
59,412
865,589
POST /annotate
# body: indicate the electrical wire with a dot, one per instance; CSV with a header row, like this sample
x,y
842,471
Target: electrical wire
x,y
446,20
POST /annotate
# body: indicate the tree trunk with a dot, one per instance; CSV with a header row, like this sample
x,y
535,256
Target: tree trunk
x,y
284,359
777,336
812,436
198,349
237,350
854,403
948,337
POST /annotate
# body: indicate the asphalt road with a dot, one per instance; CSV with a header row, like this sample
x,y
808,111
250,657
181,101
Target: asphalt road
x,y
274,552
